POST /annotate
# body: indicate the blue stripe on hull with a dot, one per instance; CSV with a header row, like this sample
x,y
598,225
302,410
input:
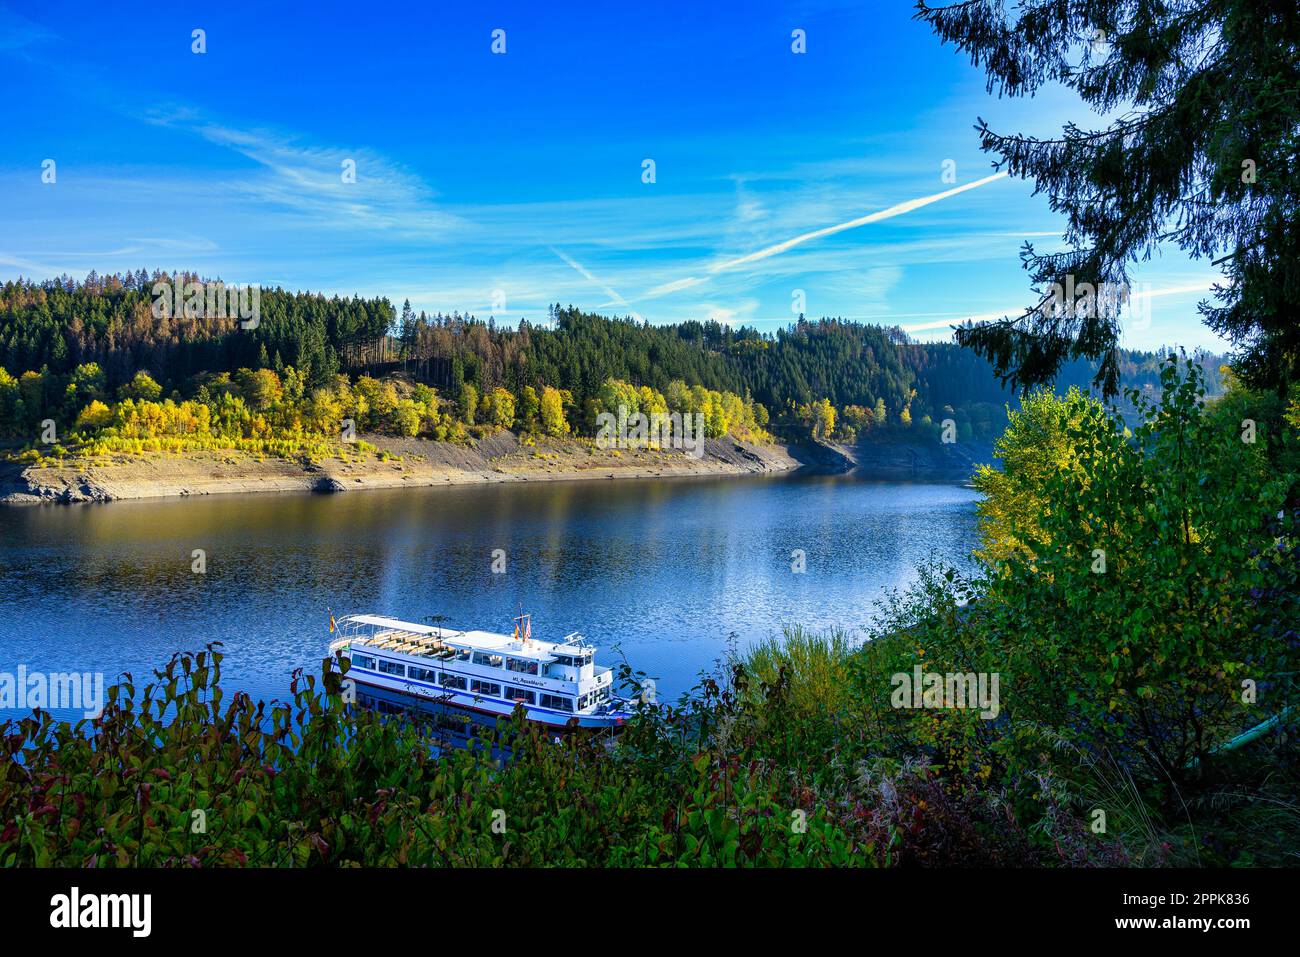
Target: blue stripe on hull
x,y
504,706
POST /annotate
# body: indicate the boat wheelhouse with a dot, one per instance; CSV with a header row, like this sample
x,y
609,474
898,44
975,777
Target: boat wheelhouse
x,y
559,683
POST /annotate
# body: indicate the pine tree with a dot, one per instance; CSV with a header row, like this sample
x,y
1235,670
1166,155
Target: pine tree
x,y
406,331
1202,153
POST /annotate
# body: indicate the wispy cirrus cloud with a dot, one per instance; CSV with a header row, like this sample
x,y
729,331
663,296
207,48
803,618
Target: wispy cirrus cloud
x,y
308,180
1140,297
17,33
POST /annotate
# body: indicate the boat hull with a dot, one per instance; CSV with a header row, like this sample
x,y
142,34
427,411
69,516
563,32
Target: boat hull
x,y
465,701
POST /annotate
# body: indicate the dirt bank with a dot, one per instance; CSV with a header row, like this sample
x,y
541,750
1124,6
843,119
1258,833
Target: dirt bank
x,y
410,462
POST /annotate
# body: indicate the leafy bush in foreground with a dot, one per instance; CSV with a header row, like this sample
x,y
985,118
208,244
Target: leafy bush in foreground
x,y
1120,693
1140,610
731,777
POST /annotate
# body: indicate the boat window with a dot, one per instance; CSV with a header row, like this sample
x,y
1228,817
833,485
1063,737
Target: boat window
x,y
363,661
519,694
521,665
492,661
420,674
462,654
391,667
485,687
452,681
564,660
584,660
557,702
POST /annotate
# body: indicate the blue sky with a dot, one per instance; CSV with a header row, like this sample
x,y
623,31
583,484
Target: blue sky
x,y
499,183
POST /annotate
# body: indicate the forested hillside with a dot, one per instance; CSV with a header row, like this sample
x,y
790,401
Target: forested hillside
x,y
65,344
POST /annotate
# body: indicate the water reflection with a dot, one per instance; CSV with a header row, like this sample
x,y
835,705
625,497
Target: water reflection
x,y
444,727
666,570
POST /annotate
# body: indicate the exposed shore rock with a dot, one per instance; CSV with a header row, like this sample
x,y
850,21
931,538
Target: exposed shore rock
x,y
327,485
920,460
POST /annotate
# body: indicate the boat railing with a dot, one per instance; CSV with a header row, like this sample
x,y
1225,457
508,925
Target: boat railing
x,y
387,638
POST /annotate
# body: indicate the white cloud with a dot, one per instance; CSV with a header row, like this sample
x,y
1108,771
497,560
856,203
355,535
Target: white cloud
x,y
1138,297
308,180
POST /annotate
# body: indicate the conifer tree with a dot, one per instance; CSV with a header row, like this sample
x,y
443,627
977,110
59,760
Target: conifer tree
x,y
1199,150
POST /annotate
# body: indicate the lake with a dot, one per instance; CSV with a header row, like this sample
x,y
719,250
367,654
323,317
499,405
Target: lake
x,y
670,571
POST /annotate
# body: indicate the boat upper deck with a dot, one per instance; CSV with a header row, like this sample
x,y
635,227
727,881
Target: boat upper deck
x,y
405,637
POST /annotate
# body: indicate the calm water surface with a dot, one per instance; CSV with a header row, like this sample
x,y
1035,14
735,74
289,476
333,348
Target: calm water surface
x,y
668,570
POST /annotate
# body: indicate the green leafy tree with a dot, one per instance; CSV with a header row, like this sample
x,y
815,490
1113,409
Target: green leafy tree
x,y
86,383
405,418
1035,446
1129,618
468,402
10,397
530,409
502,408
823,414
294,386
141,388
678,397
261,387
325,412
375,402
616,395
95,416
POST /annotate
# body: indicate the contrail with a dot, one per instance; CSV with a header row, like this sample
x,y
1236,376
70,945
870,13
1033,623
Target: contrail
x,y
582,270
775,250
876,217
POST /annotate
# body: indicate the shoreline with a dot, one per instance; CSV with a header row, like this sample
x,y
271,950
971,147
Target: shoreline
x,y
424,463
411,463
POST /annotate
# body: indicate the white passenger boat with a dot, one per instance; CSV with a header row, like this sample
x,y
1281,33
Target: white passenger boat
x,y
558,683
